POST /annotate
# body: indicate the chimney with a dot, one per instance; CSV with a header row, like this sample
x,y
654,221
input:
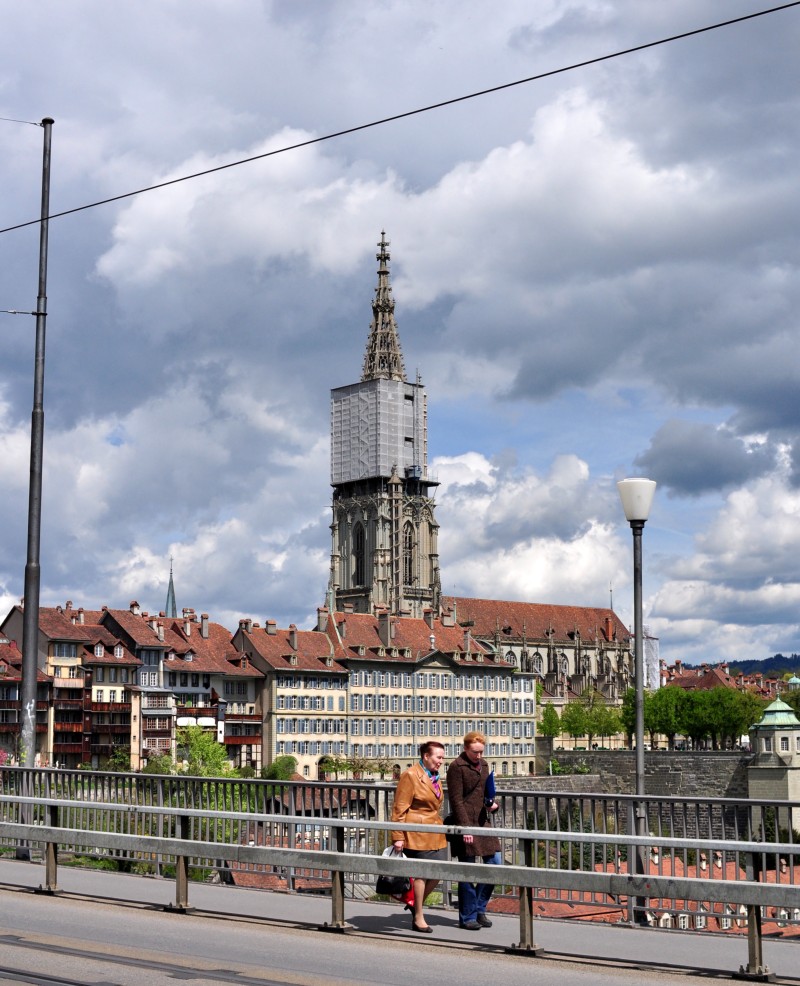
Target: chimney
x,y
467,644
248,625
153,623
204,626
160,631
384,632
342,627
80,616
271,627
608,628
68,605
448,618
428,615
347,608
293,636
135,608
187,624
322,618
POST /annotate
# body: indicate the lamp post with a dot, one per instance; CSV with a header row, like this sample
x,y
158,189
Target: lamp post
x,y
30,619
637,498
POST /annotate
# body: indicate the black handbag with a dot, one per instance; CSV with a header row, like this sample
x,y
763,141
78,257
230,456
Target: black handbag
x,y
393,886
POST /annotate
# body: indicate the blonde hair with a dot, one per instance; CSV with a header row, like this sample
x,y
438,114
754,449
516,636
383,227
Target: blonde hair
x,y
474,737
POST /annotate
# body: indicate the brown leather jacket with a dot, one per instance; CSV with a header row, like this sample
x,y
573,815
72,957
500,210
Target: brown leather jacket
x,y
465,787
415,801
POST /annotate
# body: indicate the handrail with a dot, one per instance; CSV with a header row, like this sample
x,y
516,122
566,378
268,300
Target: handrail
x,y
749,893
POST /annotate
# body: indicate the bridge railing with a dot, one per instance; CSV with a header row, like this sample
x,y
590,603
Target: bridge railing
x,y
575,843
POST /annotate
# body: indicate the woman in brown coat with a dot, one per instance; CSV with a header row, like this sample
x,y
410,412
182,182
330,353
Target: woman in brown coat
x,y
466,791
417,800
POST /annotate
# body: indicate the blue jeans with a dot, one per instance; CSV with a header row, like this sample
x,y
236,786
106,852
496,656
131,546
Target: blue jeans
x,y
473,897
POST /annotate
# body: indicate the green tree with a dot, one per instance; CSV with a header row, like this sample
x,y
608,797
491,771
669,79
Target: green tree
x,y
627,714
663,712
120,760
550,723
793,699
697,720
573,719
281,769
205,757
160,764
600,720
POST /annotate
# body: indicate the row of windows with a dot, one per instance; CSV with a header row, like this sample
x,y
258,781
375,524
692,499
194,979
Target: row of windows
x,y
441,704
452,750
436,680
311,725
305,703
435,728
783,743
114,695
114,674
314,748
303,681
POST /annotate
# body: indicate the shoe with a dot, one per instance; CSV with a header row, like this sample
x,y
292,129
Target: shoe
x,y
469,925
483,921
423,929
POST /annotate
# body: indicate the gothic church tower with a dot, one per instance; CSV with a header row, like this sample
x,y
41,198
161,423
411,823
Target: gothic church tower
x,y
384,534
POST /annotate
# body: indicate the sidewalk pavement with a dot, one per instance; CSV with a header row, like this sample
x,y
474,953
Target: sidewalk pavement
x,y
598,944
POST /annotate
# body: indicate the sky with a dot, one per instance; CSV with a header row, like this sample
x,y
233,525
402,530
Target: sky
x,y
596,275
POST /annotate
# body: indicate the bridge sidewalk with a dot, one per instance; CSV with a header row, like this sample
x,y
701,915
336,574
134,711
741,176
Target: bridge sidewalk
x,y
582,942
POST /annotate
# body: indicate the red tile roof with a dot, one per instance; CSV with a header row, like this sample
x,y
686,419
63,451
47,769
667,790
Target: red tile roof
x,y
411,639
534,620
311,652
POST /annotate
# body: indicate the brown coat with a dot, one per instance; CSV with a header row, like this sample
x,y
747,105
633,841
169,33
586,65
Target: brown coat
x,y
415,801
465,787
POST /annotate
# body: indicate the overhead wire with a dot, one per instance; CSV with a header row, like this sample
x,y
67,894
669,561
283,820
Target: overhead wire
x,y
407,113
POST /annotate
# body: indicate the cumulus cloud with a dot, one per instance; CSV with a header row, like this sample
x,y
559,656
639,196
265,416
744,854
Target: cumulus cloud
x,y
595,275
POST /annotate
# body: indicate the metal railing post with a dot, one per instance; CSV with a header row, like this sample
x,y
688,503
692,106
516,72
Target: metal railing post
x,y
337,922
755,969
526,943
50,885
182,868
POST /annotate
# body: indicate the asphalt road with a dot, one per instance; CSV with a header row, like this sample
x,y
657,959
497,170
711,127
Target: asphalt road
x,y
250,937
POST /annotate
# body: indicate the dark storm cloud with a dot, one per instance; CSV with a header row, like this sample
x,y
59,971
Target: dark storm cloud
x,y
692,459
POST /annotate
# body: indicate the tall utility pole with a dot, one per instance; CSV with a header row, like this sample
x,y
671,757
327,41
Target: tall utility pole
x,y
30,625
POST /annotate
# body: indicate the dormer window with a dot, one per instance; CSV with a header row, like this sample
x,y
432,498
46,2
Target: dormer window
x,y
293,660
362,650
118,650
189,656
98,650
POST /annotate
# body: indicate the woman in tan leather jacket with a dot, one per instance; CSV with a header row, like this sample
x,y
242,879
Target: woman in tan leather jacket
x,y
418,800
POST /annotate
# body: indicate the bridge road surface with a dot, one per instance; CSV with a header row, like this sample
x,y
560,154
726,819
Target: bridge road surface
x,y
105,929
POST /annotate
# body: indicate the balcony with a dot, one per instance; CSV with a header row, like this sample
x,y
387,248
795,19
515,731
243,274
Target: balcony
x,y
111,729
67,747
67,727
111,706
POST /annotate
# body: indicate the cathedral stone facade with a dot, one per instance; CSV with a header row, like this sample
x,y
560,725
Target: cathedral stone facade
x,y
384,533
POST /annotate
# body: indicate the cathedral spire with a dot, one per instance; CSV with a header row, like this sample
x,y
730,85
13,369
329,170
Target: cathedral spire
x,y
171,609
383,359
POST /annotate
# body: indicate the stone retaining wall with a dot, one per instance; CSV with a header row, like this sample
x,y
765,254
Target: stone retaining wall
x,y
690,774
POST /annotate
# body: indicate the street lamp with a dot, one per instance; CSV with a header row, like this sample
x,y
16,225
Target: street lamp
x,y
637,498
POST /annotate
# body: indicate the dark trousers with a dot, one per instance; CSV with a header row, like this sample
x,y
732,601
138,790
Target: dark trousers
x,y
473,897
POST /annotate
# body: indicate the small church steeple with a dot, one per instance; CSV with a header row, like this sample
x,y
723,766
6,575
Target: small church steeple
x,y
171,609
383,359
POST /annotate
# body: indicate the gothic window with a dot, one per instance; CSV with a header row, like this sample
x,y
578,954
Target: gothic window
x,y
359,555
536,662
408,554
